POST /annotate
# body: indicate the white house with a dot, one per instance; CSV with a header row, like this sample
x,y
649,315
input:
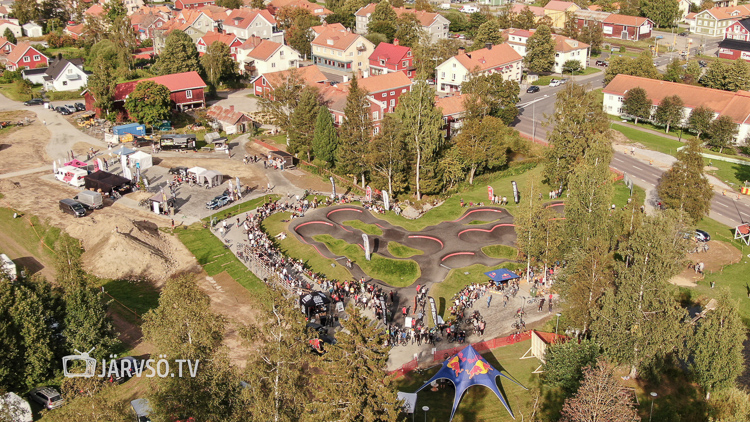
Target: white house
x,y
257,56
565,48
724,103
434,24
11,24
491,59
61,75
246,23
32,30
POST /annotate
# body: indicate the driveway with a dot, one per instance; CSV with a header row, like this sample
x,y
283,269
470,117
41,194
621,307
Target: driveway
x,y
240,101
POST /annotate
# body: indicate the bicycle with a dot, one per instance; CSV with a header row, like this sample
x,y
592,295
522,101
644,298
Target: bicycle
x,y
520,324
532,300
515,337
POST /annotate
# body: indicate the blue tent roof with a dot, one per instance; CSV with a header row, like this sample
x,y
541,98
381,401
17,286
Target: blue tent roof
x,y
501,274
469,368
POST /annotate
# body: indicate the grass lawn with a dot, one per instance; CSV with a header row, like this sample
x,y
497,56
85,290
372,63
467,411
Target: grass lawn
x,y
394,272
137,296
588,71
649,140
65,95
500,251
278,223
622,193
733,174
674,131
9,90
545,80
459,278
479,222
242,207
402,251
215,258
451,209
479,403
36,237
370,229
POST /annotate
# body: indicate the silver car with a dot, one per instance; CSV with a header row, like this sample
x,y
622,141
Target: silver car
x,y
48,397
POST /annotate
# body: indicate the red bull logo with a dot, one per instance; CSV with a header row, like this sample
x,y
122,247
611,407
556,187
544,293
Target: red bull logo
x,y
481,367
455,365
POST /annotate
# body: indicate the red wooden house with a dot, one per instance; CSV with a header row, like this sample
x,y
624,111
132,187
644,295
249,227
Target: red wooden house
x,y
264,85
389,58
386,88
736,42
24,56
230,40
187,91
334,97
192,4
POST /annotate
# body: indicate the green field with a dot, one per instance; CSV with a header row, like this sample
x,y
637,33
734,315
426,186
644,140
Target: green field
x,y
649,140
136,297
242,207
395,272
215,258
402,251
500,251
733,174
29,232
479,403
370,229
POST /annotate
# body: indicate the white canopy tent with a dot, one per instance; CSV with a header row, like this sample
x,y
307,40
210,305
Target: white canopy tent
x,y
144,160
123,151
213,177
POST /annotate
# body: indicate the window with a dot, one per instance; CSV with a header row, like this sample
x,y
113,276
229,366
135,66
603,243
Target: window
x,y
273,65
26,59
359,64
375,115
188,94
383,95
408,73
382,62
65,83
442,74
405,63
404,90
393,92
393,103
263,81
454,77
281,53
377,130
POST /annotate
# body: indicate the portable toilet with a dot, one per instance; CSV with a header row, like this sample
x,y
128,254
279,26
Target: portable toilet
x,y
136,129
8,267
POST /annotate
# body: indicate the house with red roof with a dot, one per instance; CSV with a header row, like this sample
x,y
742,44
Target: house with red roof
x,y
257,56
230,40
6,46
96,10
453,110
265,84
192,4
246,23
501,59
565,48
341,50
144,24
389,58
334,97
736,42
231,121
434,24
386,88
24,56
736,105
615,25
75,31
320,28
316,9
187,91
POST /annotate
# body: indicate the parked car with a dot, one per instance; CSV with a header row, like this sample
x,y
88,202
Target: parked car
x,y
125,371
63,110
80,106
684,34
34,101
532,89
71,107
702,236
602,63
48,397
179,171
555,82
702,63
72,207
141,142
218,202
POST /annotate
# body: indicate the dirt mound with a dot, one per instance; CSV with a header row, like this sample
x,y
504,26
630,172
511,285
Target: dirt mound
x,y
719,255
618,138
23,147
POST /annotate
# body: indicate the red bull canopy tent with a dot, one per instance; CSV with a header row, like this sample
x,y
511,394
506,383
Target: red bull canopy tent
x,y
466,369
501,274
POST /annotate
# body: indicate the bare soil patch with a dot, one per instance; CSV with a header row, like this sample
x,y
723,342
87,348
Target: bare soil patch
x,y
719,255
23,147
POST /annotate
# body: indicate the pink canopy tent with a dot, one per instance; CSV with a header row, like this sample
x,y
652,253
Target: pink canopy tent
x,y
76,163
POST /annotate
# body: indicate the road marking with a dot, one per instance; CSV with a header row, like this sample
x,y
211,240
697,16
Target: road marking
x,y
637,168
723,204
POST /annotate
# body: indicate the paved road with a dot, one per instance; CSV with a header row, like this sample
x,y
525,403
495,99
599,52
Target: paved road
x,y
535,107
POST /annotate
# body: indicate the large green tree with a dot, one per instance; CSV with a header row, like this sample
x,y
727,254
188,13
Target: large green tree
x,y
540,51
592,35
281,105
149,103
355,133
303,123
485,143
637,104
664,13
538,231
700,120
86,322
722,132
728,77
8,34
671,111
325,138
421,123
179,55
684,186
565,361
383,20
642,66
387,156
408,30
491,95
487,33
218,64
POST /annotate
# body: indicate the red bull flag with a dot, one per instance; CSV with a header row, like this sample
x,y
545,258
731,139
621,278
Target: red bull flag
x,y
468,368
490,193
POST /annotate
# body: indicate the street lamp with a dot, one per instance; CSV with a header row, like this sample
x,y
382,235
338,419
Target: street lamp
x,y
426,409
558,321
653,395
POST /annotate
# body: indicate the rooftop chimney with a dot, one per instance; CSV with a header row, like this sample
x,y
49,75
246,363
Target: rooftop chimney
x,y
395,41
488,46
231,107
461,50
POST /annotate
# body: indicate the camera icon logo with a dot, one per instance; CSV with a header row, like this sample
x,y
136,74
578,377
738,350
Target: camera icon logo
x,y
80,357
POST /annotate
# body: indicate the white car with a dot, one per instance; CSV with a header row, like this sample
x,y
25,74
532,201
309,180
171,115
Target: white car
x,y
555,82
469,9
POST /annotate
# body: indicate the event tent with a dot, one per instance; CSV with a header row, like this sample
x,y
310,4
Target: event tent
x,y
106,182
213,177
141,158
468,368
123,150
501,274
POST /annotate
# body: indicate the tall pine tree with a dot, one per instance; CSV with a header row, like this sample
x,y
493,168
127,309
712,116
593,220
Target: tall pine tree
x,y
355,133
684,186
325,139
303,123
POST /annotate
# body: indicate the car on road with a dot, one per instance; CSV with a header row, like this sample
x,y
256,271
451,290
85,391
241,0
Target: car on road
x,y
684,34
48,397
71,107
141,142
602,63
702,236
80,106
63,110
532,89
555,82
218,202
34,101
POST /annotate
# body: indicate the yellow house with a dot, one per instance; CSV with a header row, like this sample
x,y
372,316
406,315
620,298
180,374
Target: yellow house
x,y
340,49
556,10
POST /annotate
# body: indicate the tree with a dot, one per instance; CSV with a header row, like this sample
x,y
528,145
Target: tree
x,y
297,21
578,114
637,104
537,231
325,139
23,89
383,20
525,20
423,5
257,4
485,143
104,406
124,40
684,186
663,13
700,120
458,21
715,76
722,132
114,10
149,103
280,106
570,29
26,11
571,66
303,123
592,35
421,124
218,64
540,51
387,156
730,405
734,77
640,322
491,95
86,322
236,4
8,34
642,66
720,329
670,111
355,133
674,72
600,398
488,33
427,55
693,73
68,268
179,55
564,363
408,30
476,20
